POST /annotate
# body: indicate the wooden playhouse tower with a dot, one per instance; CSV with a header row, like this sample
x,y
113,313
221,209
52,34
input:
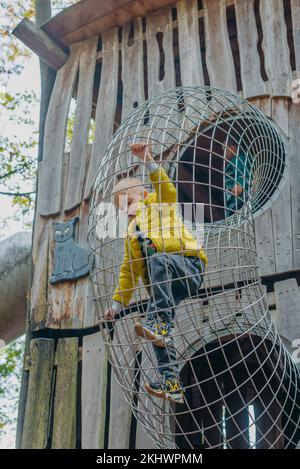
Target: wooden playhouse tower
x,y
109,57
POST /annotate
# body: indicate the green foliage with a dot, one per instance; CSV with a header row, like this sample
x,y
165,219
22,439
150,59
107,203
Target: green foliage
x,y
13,52
17,155
11,359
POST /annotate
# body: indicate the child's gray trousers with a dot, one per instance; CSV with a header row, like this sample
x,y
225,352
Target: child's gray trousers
x,y
173,277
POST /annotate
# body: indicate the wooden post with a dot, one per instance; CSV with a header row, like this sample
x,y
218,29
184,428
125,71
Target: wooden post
x,y
65,403
43,13
40,43
36,422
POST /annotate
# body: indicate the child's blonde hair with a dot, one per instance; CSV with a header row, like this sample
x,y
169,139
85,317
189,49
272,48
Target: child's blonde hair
x,y
124,184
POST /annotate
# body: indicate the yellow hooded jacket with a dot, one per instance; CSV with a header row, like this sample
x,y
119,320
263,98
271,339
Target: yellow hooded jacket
x,y
158,220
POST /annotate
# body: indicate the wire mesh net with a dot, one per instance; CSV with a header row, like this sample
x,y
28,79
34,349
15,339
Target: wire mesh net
x,y
240,388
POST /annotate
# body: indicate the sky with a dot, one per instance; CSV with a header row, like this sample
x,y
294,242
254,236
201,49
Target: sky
x,y
28,80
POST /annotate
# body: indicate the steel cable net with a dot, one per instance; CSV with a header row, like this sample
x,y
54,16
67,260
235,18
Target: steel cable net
x,y
241,387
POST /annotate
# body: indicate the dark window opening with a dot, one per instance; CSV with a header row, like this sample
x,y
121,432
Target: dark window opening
x,y
203,51
290,36
201,166
176,57
237,385
174,14
260,40
145,70
130,39
161,73
99,45
233,39
118,113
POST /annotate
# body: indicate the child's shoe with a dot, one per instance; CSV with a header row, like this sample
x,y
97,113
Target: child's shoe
x,y
168,389
157,331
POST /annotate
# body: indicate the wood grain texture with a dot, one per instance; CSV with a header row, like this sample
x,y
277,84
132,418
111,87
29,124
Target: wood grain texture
x,y
219,58
40,274
105,111
123,349
161,70
189,43
120,417
75,292
65,401
37,413
51,167
89,17
287,296
294,162
281,207
93,391
265,243
41,44
132,67
252,82
275,47
295,5
82,121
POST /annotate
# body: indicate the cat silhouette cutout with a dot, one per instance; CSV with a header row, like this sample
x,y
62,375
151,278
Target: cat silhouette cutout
x,y
71,261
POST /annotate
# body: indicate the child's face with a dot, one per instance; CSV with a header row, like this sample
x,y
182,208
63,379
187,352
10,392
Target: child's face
x,y
230,151
128,201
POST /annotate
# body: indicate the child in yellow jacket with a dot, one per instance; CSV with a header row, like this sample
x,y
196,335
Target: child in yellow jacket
x,y
161,250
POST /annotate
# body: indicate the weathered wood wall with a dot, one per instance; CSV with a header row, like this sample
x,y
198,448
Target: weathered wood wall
x,y
239,45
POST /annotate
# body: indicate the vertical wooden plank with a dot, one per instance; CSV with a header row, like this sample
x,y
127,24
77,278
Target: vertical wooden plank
x,y
281,208
89,310
295,4
143,440
281,218
79,145
280,113
146,408
39,286
253,84
132,67
287,296
120,417
189,43
79,287
219,60
161,69
93,391
294,162
123,356
51,167
265,243
90,315
37,414
64,424
60,295
275,47
266,106
106,104
161,75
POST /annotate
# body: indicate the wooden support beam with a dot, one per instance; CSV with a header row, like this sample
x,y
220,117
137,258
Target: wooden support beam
x,y
43,14
41,44
37,414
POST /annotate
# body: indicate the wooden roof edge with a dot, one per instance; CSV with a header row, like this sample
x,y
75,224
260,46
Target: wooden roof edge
x,y
91,17
41,44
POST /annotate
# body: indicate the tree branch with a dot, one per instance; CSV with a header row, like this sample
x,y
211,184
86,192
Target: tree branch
x,y
18,194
